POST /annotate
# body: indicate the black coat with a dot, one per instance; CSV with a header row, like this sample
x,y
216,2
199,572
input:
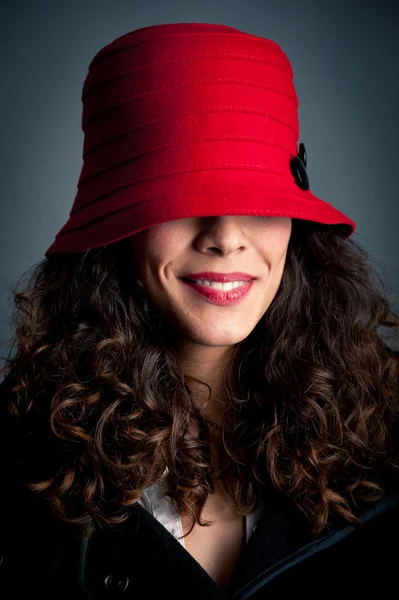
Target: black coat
x,y
142,560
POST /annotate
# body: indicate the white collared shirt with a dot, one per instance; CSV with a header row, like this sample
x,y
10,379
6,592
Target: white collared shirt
x,y
154,500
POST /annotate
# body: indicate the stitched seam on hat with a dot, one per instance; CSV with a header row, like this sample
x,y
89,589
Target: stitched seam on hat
x,y
214,108
191,170
187,57
230,138
249,82
209,167
194,84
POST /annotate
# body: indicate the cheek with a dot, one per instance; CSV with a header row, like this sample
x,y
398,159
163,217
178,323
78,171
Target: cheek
x,y
145,253
161,244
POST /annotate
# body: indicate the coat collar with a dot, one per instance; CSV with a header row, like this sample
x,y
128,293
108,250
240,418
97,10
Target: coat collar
x,y
280,540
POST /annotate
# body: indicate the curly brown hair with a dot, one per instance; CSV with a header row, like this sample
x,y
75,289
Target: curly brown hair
x,y
103,407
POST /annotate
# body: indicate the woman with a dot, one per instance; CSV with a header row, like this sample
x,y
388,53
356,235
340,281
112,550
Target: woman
x,y
165,433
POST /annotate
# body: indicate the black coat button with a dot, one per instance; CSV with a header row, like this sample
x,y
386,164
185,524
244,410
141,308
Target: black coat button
x,y
298,168
117,581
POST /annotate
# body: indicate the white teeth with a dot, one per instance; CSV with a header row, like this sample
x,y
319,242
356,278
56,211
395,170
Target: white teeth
x,y
217,285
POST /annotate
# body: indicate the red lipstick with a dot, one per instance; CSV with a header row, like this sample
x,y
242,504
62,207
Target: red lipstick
x,y
221,297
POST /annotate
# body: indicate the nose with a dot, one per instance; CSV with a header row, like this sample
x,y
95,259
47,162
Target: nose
x,y
222,234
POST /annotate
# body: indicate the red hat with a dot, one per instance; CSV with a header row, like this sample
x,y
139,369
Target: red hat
x,y
188,120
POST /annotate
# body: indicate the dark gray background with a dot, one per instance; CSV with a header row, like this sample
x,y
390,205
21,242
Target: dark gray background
x,y
345,59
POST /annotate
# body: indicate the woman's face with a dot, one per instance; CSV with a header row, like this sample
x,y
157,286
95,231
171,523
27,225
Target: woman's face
x,y
164,253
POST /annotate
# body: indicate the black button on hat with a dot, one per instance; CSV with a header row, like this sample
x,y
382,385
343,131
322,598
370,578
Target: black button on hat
x,y
298,168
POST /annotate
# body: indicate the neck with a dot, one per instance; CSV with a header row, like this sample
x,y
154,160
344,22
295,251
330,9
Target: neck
x,y
208,364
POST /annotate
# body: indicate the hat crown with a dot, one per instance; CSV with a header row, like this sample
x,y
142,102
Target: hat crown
x,y
170,98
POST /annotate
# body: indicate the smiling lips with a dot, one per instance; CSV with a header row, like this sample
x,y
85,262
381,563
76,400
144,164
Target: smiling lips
x,y
220,296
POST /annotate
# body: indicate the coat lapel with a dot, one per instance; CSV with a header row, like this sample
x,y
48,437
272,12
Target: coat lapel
x,y
282,540
144,555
